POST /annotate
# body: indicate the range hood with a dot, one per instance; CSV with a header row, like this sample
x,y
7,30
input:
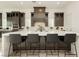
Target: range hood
x,y
39,15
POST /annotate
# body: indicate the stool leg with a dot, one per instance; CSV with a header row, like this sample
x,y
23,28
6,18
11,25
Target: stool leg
x,y
56,44
75,49
25,47
65,51
20,49
57,49
9,49
67,47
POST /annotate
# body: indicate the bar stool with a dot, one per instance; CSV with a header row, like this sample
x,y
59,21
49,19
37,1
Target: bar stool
x,y
34,41
52,42
68,39
15,39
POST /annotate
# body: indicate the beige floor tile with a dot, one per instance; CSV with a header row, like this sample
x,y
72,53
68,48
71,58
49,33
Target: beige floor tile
x,y
36,51
42,54
70,55
36,55
48,50
56,53
23,53
61,53
52,55
0,44
30,53
42,51
49,53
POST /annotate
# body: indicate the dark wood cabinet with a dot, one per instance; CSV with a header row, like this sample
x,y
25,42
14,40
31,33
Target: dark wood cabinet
x,y
22,19
59,19
16,19
9,19
0,20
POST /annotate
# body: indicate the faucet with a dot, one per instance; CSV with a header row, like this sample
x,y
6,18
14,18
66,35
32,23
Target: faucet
x,y
41,28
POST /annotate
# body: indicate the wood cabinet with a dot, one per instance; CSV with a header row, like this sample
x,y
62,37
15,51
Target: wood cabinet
x,y
16,19
59,19
0,20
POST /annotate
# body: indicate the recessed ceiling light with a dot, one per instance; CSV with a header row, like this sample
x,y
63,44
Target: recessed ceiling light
x,y
21,3
33,1
39,3
58,3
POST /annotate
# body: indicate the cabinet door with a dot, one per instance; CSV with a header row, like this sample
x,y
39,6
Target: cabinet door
x,y
0,19
15,18
9,22
22,19
59,19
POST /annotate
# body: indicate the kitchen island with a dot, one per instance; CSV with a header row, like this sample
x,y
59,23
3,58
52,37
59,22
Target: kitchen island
x,y
6,43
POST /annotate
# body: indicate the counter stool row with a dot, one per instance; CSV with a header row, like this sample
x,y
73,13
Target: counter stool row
x,y
32,42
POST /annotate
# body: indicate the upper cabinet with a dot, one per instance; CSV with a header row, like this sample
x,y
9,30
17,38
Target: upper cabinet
x,y
16,19
0,20
59,19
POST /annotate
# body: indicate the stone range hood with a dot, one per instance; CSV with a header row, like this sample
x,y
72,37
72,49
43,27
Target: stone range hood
x,y
39,15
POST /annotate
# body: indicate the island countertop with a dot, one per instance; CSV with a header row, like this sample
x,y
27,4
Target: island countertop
x,y
43,33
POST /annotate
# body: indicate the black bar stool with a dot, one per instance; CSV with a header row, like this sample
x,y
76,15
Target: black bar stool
x,y
52,42
68,39
15,39
34,41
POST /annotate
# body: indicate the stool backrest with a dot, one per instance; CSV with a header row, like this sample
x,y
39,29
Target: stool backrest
x,y
15,38
69,38
52,38
33,38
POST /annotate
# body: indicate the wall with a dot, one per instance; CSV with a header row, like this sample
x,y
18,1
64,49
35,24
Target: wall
x,y
72,16
72,20
28,15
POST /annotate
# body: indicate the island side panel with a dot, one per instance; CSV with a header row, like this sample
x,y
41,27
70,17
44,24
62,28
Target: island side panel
x,y
77,45
5,45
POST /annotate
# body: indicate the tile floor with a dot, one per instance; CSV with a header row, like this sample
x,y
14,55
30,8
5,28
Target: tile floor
x,y
42,53
0,46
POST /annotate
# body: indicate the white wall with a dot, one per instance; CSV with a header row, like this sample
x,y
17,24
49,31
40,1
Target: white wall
x,y
28,15
72,20
72,16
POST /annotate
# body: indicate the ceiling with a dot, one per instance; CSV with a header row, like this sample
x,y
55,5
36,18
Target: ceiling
x,y
31,4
